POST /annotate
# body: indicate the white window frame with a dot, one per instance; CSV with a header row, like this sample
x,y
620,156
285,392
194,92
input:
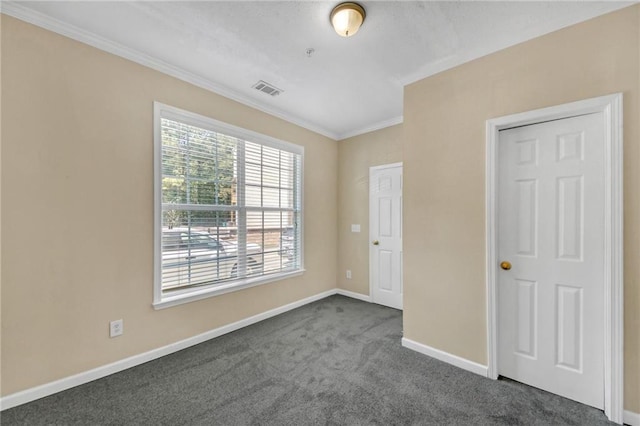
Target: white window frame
x,y
161,111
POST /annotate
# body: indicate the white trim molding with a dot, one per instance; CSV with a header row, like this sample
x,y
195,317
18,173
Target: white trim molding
x,y
371,128
386,166
455,360
631,418
24,13
19,11
50,388
354,295
190,293
484,49
610,107
31,16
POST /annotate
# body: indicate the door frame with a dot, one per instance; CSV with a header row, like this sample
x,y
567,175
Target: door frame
x,y
611,108
371,170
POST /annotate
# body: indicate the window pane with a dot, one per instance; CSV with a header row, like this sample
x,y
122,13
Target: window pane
x,y
287,179
208,238
174,190
253,196
272,231
198,166
253,174
270,176
286,198
270,197
198,248
287,160
254,220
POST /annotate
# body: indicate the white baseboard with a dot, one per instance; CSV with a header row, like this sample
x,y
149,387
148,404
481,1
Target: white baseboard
x,y
463,363
47,389
630,418
353,295
28,395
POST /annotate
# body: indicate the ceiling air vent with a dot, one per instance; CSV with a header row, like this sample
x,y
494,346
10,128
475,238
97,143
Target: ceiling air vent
x,y
267,88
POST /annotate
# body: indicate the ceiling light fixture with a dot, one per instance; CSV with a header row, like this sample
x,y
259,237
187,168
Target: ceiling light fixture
x,y
346,18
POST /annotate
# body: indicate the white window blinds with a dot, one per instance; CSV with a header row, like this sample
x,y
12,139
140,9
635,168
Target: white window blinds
x,y
230,206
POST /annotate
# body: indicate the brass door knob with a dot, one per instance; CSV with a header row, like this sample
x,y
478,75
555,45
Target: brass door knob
x,y
505,265
376,242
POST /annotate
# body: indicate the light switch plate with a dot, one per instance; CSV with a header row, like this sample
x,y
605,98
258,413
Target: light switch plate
x,y
355,228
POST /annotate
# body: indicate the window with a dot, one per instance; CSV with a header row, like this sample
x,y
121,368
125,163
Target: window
x,y
228,207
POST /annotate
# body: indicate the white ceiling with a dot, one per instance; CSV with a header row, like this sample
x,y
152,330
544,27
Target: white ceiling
x,y
348,86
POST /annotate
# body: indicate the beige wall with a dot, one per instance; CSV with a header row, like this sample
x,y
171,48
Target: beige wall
x,y
444,166
77,209
77,152
355,156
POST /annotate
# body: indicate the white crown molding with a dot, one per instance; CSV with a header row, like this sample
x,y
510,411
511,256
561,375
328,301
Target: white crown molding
x,y
31,16
485,50
371,128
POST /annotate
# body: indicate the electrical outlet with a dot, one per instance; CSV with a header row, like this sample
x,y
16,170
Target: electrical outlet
x,y
348,274
116,328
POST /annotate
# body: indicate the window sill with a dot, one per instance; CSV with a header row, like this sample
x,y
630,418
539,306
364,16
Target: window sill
x,y
206,292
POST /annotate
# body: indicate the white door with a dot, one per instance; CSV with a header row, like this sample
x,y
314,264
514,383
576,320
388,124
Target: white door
x,y
551,230
385,232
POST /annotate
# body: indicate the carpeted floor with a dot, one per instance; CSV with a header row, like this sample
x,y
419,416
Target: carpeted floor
x,y
337,361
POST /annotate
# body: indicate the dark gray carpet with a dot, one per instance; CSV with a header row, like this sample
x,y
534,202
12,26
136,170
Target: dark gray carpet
x,y
337,361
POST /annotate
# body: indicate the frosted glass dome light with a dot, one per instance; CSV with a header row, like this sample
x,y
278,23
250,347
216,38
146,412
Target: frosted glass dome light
x,y
347,18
